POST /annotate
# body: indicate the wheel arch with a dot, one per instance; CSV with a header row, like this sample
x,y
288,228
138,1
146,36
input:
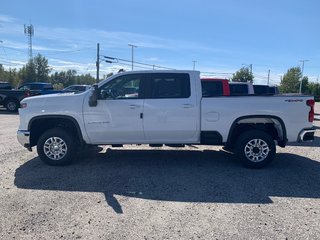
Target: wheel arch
x,y
39,124
271,124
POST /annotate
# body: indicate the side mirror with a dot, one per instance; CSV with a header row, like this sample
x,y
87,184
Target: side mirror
x,y
93,99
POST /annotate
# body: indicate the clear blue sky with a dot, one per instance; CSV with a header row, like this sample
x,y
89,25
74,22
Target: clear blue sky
x,y
220,36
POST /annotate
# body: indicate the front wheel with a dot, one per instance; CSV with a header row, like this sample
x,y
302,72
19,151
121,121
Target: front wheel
x,y
255,148
56,147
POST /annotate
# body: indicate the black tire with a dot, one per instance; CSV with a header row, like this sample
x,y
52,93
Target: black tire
x,y
56,147
12,105
255,148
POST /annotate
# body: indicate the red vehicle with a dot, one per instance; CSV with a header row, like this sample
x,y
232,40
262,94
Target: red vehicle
x,y
213,87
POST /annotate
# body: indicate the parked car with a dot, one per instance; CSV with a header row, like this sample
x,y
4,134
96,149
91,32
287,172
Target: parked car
x,y
39,88
10,99
77,88
5,85
168,109
265,89
241,88
212,87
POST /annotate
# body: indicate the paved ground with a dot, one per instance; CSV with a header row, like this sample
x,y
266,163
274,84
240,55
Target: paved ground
x,y
144,193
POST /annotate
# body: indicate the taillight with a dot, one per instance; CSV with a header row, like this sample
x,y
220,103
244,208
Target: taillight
x,y
310,103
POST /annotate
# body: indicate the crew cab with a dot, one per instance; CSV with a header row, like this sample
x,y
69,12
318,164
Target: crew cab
x,y
165,107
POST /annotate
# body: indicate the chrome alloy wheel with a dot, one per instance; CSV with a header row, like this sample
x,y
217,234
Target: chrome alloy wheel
x,y
256,150
55,148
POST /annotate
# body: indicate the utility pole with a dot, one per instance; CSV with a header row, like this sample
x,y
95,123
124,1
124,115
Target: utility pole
x,y
302,73
268,76
29,32
132,46
98,62
194,65
1,42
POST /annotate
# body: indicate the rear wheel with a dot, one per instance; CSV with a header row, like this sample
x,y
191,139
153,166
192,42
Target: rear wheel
x,y
56,147
12,105
255,148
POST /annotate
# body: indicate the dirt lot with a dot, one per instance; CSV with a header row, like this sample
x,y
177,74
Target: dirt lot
x,y
144,193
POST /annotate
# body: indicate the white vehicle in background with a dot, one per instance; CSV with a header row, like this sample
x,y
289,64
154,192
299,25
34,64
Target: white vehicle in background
x,y
162,107
77,88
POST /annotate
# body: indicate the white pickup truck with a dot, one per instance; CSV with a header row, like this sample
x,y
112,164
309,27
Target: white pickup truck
x,y
162,107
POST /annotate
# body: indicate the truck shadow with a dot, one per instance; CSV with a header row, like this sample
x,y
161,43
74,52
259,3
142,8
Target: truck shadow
x,y
182,176
314,143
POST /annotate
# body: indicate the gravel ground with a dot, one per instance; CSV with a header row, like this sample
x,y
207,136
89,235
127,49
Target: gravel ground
x,y
143,193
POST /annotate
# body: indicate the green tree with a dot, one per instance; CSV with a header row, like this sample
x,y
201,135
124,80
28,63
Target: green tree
x,y
70,77
2,73
290,82
36,70
27,73
314,89
85,79
243,75
42,68
11,76
305,85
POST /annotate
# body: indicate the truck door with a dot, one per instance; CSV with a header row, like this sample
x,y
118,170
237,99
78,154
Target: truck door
x,y
171,114
118,116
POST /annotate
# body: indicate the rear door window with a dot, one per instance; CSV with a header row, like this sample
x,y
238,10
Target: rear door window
x,y
167,85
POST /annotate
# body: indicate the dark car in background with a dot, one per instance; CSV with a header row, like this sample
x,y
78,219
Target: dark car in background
x,y
213,87
10,98
39,88
241,88
5,85
265,90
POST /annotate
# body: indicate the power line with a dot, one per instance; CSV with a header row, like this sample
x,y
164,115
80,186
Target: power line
x,y
119,60
218,73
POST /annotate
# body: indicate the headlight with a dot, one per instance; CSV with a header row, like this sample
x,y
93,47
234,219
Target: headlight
x,y
23,105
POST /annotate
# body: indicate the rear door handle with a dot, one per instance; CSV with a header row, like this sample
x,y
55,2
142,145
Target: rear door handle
x,y
187,106
134,106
